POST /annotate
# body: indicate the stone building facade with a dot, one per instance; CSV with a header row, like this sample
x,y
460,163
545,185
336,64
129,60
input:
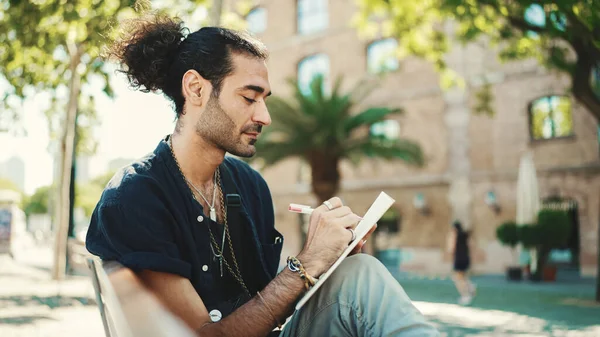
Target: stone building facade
x,y
468,157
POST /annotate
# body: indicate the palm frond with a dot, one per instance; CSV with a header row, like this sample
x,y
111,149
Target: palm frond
x,y
288,117
407,151
322,120
272,152
363,88
369,116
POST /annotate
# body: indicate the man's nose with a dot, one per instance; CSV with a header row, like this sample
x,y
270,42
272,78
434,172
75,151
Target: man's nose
x,y
261,115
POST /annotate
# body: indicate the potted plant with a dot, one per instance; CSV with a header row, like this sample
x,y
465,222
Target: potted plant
x,y
529,237
554,230
551,231
507,235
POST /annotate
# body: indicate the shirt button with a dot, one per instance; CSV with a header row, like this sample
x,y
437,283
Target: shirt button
x,y
200,218
204,268
215,315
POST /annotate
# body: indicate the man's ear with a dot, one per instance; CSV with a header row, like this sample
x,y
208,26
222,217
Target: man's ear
x,y
193,88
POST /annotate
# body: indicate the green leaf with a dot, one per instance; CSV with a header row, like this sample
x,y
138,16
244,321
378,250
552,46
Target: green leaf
x,y
564,27
405,150
321,123
369,116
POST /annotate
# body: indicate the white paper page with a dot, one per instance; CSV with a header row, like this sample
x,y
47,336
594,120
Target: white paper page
x,y
375,212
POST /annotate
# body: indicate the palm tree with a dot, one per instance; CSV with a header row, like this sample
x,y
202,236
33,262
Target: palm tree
x,y
322,129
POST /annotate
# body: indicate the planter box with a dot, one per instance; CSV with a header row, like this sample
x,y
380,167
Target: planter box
x,y
514,273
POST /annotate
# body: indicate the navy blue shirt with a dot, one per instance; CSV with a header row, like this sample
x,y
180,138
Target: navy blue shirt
x,y
147,219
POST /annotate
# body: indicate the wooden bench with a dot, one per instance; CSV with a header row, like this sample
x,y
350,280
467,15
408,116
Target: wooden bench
x,y
127,308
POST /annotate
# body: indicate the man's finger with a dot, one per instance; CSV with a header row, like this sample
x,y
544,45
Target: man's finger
x,y
349,220
339,212
334,202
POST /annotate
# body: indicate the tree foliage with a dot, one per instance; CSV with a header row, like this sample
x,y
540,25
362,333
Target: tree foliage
x,y
38,202
42,37
323,128
563,35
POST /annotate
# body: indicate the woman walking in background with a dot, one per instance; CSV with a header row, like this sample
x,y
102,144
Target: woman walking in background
x,y
458,246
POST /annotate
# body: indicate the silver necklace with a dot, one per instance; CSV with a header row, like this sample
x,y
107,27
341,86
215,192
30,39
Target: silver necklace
x,y
213,217
213,212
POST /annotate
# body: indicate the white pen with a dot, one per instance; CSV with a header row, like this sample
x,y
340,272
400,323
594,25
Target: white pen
x,y
303,209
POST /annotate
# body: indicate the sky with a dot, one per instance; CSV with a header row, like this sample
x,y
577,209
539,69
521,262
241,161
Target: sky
x,y
132,124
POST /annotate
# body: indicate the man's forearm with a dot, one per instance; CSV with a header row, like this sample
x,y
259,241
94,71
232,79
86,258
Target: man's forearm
x,y
255,318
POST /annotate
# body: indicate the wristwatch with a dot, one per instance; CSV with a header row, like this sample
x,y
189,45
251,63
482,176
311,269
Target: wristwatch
x,y
296,266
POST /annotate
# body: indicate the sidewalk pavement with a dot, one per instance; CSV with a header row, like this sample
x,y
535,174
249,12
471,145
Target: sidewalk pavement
x,y
503,308
32,305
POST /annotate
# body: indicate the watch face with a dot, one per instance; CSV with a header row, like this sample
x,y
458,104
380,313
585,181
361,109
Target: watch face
x,y
294,264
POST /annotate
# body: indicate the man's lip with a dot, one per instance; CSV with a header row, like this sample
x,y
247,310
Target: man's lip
x,y
253,134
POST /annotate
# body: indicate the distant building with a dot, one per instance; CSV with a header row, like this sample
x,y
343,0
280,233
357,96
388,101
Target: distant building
x,y
82,171
13,169
472,160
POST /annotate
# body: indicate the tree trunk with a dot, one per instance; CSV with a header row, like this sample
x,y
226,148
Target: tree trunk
x,y
582,87
325,174
584,93
216,11
542,258
66,157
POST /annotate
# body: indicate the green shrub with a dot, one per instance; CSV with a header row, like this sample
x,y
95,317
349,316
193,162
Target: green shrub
x,y
555,228
529,235
507,234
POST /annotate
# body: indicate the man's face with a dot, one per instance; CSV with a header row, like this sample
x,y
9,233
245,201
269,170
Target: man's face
x,y
234,120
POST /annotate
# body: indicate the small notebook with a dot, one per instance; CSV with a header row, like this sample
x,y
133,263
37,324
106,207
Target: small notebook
x,y
375,212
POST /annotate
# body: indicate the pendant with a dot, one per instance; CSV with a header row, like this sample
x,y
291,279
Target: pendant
x,y
221,265
213,214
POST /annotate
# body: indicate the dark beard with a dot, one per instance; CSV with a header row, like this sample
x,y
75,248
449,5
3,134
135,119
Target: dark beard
x,y
218,128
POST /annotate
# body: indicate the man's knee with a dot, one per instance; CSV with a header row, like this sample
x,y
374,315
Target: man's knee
x,y
357,270
360,263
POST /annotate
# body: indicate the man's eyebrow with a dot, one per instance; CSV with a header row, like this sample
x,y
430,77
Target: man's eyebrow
x,y
256,88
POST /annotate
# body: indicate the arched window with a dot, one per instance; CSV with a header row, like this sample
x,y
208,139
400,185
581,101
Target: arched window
x,y
257,20
310,67
550,117
312,16
381,56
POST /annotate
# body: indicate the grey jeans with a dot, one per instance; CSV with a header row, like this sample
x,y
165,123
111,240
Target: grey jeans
x,y
361,298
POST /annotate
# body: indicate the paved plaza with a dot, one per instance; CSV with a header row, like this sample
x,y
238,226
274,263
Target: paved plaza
x,y
34,306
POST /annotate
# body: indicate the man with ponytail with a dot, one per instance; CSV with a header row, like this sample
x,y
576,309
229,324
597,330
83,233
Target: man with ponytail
x,y
197,226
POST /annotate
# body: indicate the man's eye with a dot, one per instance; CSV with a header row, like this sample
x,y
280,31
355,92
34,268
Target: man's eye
x,y
249,100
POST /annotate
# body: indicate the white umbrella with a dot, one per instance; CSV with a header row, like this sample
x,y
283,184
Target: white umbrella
x,y
528,196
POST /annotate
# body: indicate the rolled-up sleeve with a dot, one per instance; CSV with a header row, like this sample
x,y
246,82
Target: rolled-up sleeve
x,y
140,235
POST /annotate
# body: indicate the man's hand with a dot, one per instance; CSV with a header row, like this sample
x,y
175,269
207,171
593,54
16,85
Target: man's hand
x,y
362,242
327,236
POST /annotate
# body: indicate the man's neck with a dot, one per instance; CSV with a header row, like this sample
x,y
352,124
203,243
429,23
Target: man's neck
x,y
197,158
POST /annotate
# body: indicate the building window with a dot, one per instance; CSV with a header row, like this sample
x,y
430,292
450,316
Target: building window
x,y
386,130
381,56
257,20
551,117
310,67
312,16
